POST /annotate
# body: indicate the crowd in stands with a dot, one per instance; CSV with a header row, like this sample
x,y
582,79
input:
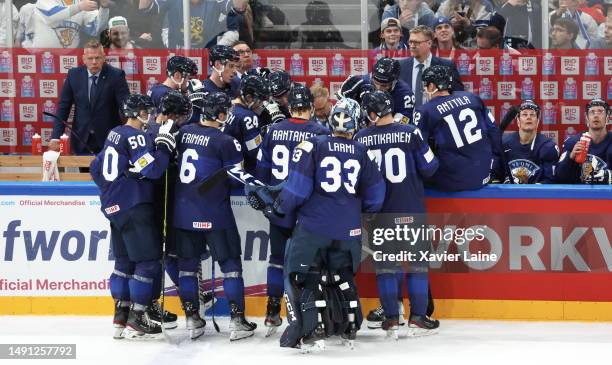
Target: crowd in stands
x,y
470,24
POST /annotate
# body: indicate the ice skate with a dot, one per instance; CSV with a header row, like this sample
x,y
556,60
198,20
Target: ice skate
x,y
391,326
195,324
140,326
422,326
122,311
155,314
273,319
239,327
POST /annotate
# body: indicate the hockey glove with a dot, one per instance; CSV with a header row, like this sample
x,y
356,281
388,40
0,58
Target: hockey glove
x,y
601,177
263,198
165,137
274,110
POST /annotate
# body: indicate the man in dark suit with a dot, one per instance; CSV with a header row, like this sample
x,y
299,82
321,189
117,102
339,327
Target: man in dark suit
x,y
97,91
412,68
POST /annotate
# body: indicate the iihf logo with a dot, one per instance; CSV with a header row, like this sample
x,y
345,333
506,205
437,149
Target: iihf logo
x,y
521,170
591,166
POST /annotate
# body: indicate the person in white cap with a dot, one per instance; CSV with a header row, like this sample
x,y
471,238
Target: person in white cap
x,y
119,33
391,35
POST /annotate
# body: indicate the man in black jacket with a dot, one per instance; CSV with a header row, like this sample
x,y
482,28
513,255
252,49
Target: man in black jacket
x,y
96,90
412,68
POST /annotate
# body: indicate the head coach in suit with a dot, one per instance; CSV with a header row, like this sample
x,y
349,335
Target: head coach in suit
x,y
97,91
412,68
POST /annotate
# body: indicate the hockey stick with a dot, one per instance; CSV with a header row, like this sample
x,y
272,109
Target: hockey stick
x,y
212,274
72,132
219,176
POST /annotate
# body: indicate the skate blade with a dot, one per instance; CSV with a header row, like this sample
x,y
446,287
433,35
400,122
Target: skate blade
x,y
239,335
349,343
271,330
196,333
393,334
167,325
132,334
420,332
306,348
118,335
374,325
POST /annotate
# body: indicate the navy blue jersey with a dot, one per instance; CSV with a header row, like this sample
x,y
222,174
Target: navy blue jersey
x,y
403,99
201,152
275,153
128,157
599,157
530,163
405,160
210,87
331,181
243,124
157,92
464,137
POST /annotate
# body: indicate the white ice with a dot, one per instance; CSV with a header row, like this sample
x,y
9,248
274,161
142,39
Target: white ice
x,y
458,342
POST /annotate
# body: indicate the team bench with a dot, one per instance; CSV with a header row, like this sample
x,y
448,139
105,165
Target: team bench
x,y
22,168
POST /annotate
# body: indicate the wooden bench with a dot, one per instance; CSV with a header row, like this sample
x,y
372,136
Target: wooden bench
x,y
17,163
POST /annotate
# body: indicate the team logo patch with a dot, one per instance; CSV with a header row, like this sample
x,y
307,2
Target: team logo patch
x,y
142,162
521,170
66,32
591,166
202,225
114,209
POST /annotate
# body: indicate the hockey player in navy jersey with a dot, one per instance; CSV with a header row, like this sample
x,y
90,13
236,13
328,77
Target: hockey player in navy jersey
x,y
530,156
124,171
278,108
224,62
244,120
207,218
175,107
385,77
332,179
596,168
461,131
272,169
179,70
405,160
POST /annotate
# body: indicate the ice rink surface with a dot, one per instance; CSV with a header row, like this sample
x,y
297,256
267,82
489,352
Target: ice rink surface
x,y
458,342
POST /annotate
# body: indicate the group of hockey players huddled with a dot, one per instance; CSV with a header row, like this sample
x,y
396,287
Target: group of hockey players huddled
x,y
166,176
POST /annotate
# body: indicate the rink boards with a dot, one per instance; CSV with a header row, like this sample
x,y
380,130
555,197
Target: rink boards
x,y
553,242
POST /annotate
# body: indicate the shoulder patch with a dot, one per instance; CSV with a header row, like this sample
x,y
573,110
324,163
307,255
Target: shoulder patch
x,y
306,146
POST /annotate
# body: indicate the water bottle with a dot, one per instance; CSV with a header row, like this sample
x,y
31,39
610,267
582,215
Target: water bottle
x,y
486,89
527,89
297,65
47,64
549,115
36,141
8,113
585,140
6,62
548,64
27,87
28,133
570,89
591,65
505,65
338,65
64,144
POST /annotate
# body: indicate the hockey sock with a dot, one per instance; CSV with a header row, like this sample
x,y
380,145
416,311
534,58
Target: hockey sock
x,y
120,278
173,272
418,287
141,283
387,292
188,280
275,281
234,289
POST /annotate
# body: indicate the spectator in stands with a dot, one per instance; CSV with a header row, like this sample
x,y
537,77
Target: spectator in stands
x,y
58,25
587,27
4,19
410,14
144,29
322,105
594,8
444,44
391,35
523,23
97,91
246,57
411,69
240,26
605,42
563,34
318,15
207,21
25,26
467,16
491,38
601,30
119,35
